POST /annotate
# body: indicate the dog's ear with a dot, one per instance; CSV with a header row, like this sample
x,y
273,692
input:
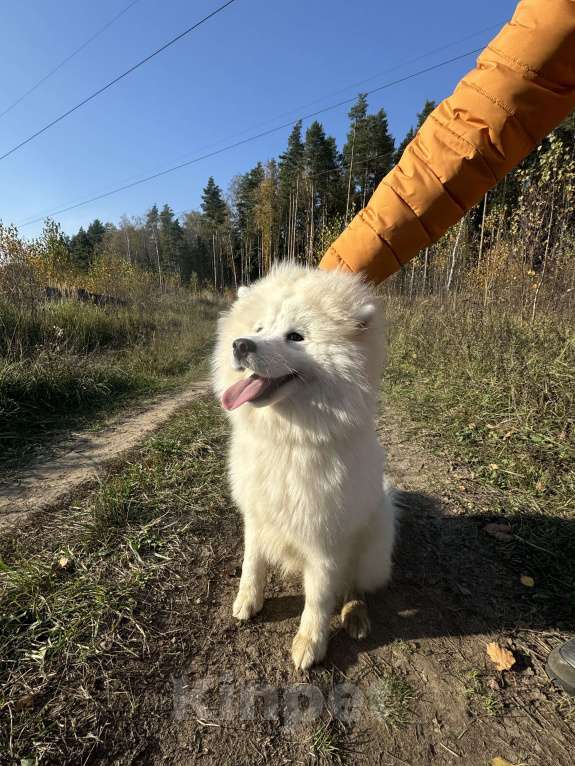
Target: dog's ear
x,y
243,290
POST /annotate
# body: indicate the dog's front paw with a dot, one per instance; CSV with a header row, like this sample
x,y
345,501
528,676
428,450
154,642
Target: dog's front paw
x,y
306,651
247,603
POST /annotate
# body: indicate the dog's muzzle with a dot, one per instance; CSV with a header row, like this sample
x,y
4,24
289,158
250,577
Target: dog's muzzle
x,y
242,347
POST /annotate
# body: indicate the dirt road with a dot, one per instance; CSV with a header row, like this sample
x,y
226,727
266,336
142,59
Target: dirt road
x,y
85,457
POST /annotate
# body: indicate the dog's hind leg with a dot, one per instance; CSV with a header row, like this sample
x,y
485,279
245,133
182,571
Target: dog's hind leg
x,y
354,615
374,563
250,598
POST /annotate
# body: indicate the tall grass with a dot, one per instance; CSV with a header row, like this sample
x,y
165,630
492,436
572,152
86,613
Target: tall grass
x,y
61,361
500,390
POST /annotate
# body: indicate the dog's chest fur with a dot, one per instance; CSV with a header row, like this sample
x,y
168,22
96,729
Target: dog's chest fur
x,y
303,496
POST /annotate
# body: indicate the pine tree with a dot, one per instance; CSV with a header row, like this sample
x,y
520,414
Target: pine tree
x,y
172,244
322,167
266,215
95,233
81,249
291,162
244,194
368,152
198,239
213,205
290,197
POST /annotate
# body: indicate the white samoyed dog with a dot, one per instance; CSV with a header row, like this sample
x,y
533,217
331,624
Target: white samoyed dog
x,y
297,365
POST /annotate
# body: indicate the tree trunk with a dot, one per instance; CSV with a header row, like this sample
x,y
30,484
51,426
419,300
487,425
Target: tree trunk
x,y
453,254
349,177
214,263
545,257
425,266
482,228
158,261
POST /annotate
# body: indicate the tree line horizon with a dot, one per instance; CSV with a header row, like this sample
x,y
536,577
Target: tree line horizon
x,y
294,206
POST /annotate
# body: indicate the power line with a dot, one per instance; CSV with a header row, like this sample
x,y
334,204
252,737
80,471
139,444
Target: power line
x,y
68,58
115,80
249,139
394,68
355,84
308,104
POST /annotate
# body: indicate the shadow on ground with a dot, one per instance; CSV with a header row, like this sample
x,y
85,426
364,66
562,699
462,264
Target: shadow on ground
x,y
453,578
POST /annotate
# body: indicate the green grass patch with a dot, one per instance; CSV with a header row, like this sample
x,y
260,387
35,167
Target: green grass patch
x,y
391,698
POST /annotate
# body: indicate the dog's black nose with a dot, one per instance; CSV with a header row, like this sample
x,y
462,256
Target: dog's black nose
x,y
243,346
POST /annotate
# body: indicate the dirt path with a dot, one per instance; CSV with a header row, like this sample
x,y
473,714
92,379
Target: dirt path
x,y
84,458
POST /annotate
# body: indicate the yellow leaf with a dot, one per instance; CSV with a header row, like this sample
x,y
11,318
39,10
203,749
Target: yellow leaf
x,y
502,658
529,582
493,466
498,761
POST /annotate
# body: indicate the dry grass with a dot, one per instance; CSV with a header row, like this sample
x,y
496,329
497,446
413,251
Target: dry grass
x,y
63,363
496,392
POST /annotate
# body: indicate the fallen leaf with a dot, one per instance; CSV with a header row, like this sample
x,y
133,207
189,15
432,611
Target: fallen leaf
x,y
499,531
502,658
493,466
26,701
529,582
498,761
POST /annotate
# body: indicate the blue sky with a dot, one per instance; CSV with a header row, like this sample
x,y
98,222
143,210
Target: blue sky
x,y
257,60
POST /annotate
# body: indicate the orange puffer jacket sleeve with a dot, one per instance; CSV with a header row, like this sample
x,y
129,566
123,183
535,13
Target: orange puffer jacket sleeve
x,y
522,87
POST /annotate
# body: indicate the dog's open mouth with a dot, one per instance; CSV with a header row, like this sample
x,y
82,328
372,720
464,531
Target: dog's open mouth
x,y
254,388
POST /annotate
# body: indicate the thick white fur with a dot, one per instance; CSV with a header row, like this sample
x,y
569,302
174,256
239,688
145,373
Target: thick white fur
x,y
307,470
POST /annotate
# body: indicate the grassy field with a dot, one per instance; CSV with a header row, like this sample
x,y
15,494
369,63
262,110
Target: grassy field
x,y
501,391
62,363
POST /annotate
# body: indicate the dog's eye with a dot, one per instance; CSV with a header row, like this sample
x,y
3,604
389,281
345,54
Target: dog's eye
x,y
294,336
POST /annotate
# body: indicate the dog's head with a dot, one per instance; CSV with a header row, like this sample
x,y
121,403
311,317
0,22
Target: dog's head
x,y
301,342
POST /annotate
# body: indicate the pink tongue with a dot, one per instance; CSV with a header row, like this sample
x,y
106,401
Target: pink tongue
x,y
245,390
